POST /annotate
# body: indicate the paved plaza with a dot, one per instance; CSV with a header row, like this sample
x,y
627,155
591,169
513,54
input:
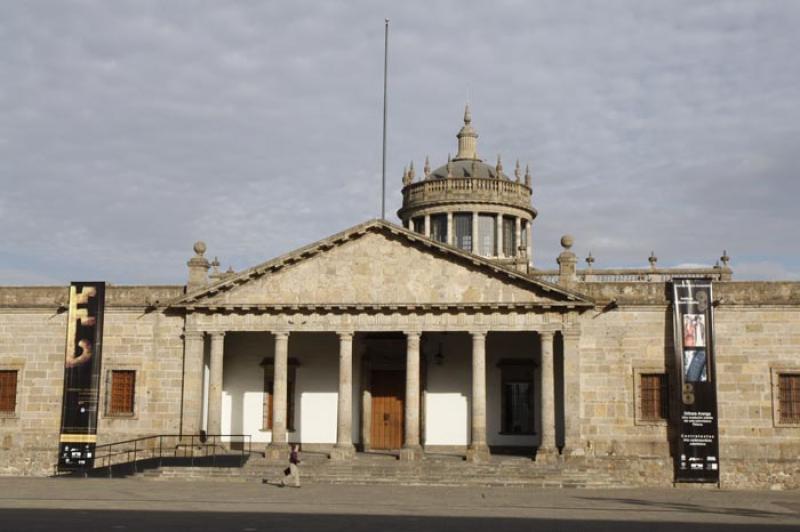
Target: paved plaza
x,y
136,504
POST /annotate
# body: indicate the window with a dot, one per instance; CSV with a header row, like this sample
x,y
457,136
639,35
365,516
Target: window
x,y
419,224
488,234
524,234
462,223
653,395
517,399
509,237
268,383
789,398
121,394
8,391
439,227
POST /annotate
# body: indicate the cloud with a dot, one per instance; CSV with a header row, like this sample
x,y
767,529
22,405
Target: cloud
x,y
132,129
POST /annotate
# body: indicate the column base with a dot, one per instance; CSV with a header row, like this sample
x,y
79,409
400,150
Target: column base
x,y
343,452
547,455
277,452
412,453
478,453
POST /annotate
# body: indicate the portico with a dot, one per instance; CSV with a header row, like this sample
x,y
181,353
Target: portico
x,y
467,373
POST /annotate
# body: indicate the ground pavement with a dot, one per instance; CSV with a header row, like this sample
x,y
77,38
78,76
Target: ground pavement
x,y
94,505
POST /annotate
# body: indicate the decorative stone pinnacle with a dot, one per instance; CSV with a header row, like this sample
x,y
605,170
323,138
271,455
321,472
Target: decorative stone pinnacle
x,y
517,172
449,166
215,265
499,167
567,241
474,171
411,173
427,168
725,258
590,260
467,115
406,180
199,248
652,259
527,175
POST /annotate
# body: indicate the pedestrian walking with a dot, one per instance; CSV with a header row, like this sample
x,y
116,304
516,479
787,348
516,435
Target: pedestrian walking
x,y
293,471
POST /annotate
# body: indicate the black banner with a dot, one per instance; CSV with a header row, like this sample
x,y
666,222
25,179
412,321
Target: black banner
x,y
81,376
697,456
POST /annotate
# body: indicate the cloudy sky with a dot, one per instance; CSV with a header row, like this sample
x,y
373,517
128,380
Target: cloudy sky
x,y
128,130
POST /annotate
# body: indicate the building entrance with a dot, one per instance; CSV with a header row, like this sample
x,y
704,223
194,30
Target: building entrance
x,y
388,393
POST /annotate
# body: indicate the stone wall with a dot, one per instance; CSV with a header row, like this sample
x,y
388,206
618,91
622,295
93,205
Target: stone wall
x,y
32,341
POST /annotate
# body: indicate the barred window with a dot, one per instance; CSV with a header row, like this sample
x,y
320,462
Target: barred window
x,y
122,392
8,391
509,237
462,223
654,396
488,234
439,227
789,393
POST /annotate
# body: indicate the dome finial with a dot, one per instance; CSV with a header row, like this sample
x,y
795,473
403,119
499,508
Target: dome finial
x,y
467,139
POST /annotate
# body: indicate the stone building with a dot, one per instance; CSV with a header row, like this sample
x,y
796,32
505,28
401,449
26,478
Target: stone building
x,y
437,334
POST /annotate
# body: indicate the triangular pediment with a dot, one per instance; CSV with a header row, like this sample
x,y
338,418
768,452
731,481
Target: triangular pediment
x,y
380,264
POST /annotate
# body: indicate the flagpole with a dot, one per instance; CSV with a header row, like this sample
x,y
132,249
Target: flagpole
x,y
385,77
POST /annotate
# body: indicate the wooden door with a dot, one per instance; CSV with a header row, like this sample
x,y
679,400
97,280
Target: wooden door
x,y
388,390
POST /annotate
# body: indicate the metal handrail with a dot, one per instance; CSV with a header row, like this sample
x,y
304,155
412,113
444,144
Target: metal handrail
x,y
162,446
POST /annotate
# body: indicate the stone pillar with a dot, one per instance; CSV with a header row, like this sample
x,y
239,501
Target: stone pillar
x,y
278,447
517,235
475,230
198,268
215,384
344,418
548,430
572,392
567,263
499,239
450,237
411,447
478,448
428,225
192,412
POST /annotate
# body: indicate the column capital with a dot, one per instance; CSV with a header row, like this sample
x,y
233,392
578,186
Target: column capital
x,y
345,335
478,334
547,334
280,334
194,335
412,334
216,334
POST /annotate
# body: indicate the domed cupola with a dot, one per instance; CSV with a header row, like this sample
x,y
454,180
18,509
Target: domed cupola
x,y
472,205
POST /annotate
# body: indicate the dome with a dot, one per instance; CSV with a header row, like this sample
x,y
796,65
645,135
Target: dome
x,y
468,168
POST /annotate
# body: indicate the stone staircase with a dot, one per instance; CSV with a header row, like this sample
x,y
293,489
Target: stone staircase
x,y
386,469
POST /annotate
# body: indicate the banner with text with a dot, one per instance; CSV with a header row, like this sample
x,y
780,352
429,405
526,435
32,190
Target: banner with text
x,y
81,376
697,456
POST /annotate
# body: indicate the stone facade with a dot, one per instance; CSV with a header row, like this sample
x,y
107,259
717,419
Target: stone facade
x,y
308,330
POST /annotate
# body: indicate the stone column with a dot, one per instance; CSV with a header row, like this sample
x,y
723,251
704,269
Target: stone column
x,y
450,237
478,449
499,238
428,225
475,229
192,412
344,417
278,447
517,235
547,435
411,447
215,384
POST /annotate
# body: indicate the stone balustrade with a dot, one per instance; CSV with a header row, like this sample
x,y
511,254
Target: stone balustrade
x,y
467,189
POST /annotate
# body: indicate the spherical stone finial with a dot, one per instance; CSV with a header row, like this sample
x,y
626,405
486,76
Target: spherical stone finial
x,y
200,247
567,241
